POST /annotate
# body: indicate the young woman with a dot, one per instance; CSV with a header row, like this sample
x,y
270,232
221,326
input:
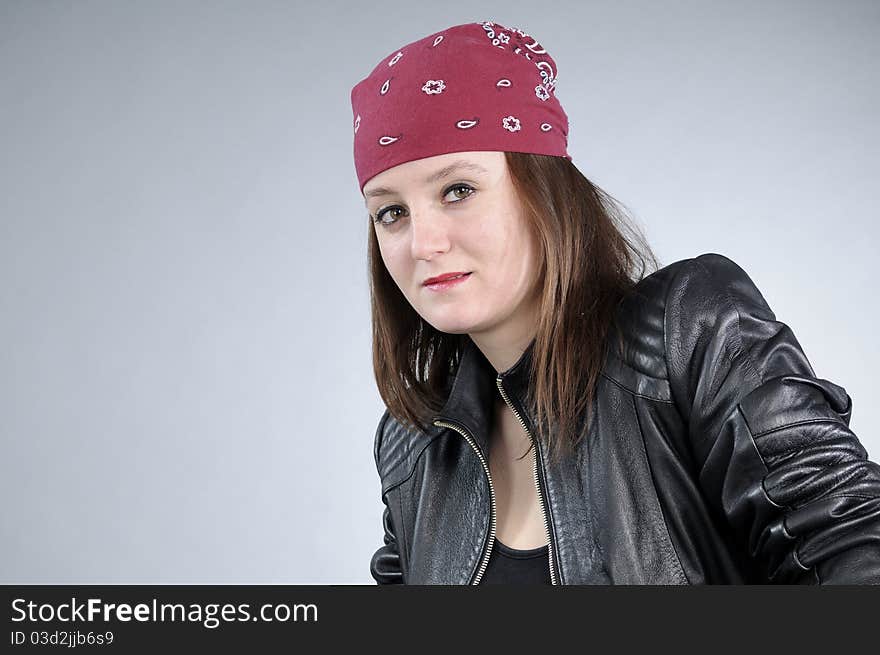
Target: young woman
x,y
555,414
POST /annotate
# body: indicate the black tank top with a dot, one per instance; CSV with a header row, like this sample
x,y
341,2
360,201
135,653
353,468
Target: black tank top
x,y
511,566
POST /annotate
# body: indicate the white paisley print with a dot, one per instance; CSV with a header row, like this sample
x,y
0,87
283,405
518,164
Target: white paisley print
x,y
525,45
512,39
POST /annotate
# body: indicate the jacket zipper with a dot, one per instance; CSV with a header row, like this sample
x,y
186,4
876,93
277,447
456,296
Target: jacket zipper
x,y
537,483
487,552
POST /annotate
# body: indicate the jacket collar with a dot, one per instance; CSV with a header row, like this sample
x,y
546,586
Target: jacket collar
x,y
474,390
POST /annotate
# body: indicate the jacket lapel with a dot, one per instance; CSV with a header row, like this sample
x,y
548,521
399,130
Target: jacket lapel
x,y
472,398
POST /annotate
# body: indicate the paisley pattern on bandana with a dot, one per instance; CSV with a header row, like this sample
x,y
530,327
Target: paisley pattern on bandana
x,y
525,45
442,85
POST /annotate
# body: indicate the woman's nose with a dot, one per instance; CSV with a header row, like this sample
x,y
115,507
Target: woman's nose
x,y
429,233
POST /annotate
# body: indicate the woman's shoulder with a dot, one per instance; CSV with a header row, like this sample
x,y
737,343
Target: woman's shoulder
x,y
691,290
695,279
396,449
710,266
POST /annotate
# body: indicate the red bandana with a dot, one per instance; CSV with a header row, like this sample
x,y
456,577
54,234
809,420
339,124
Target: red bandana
x,y
477,86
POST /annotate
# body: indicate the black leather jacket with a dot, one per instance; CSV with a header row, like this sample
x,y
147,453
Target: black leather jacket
x,y
715,456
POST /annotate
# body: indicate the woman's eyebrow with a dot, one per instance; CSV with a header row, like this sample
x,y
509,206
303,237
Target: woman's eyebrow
x,y
446,171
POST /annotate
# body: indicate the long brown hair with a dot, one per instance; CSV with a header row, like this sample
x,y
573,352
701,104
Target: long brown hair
x,y
590,256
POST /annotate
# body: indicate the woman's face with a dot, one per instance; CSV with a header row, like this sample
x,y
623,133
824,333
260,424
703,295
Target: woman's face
x,y
457,213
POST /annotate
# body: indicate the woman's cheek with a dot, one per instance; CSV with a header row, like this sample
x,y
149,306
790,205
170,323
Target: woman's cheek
x,y
391,255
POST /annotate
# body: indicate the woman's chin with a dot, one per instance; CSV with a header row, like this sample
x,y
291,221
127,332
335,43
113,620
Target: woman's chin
x,y
449,325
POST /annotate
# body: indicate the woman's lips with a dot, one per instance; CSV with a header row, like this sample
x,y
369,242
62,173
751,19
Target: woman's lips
x,y
447,284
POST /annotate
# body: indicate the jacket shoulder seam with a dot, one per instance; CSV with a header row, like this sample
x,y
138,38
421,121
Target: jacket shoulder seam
x,y
393,484
672,286
739,346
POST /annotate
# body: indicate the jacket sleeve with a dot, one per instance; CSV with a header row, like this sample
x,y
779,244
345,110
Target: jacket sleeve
x,y
385,564
774,452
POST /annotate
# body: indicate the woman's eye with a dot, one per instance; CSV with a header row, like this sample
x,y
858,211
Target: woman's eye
x,y
459,186
388,210
380,216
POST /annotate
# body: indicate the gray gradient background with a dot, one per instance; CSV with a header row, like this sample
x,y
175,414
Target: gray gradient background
x,y
186,392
